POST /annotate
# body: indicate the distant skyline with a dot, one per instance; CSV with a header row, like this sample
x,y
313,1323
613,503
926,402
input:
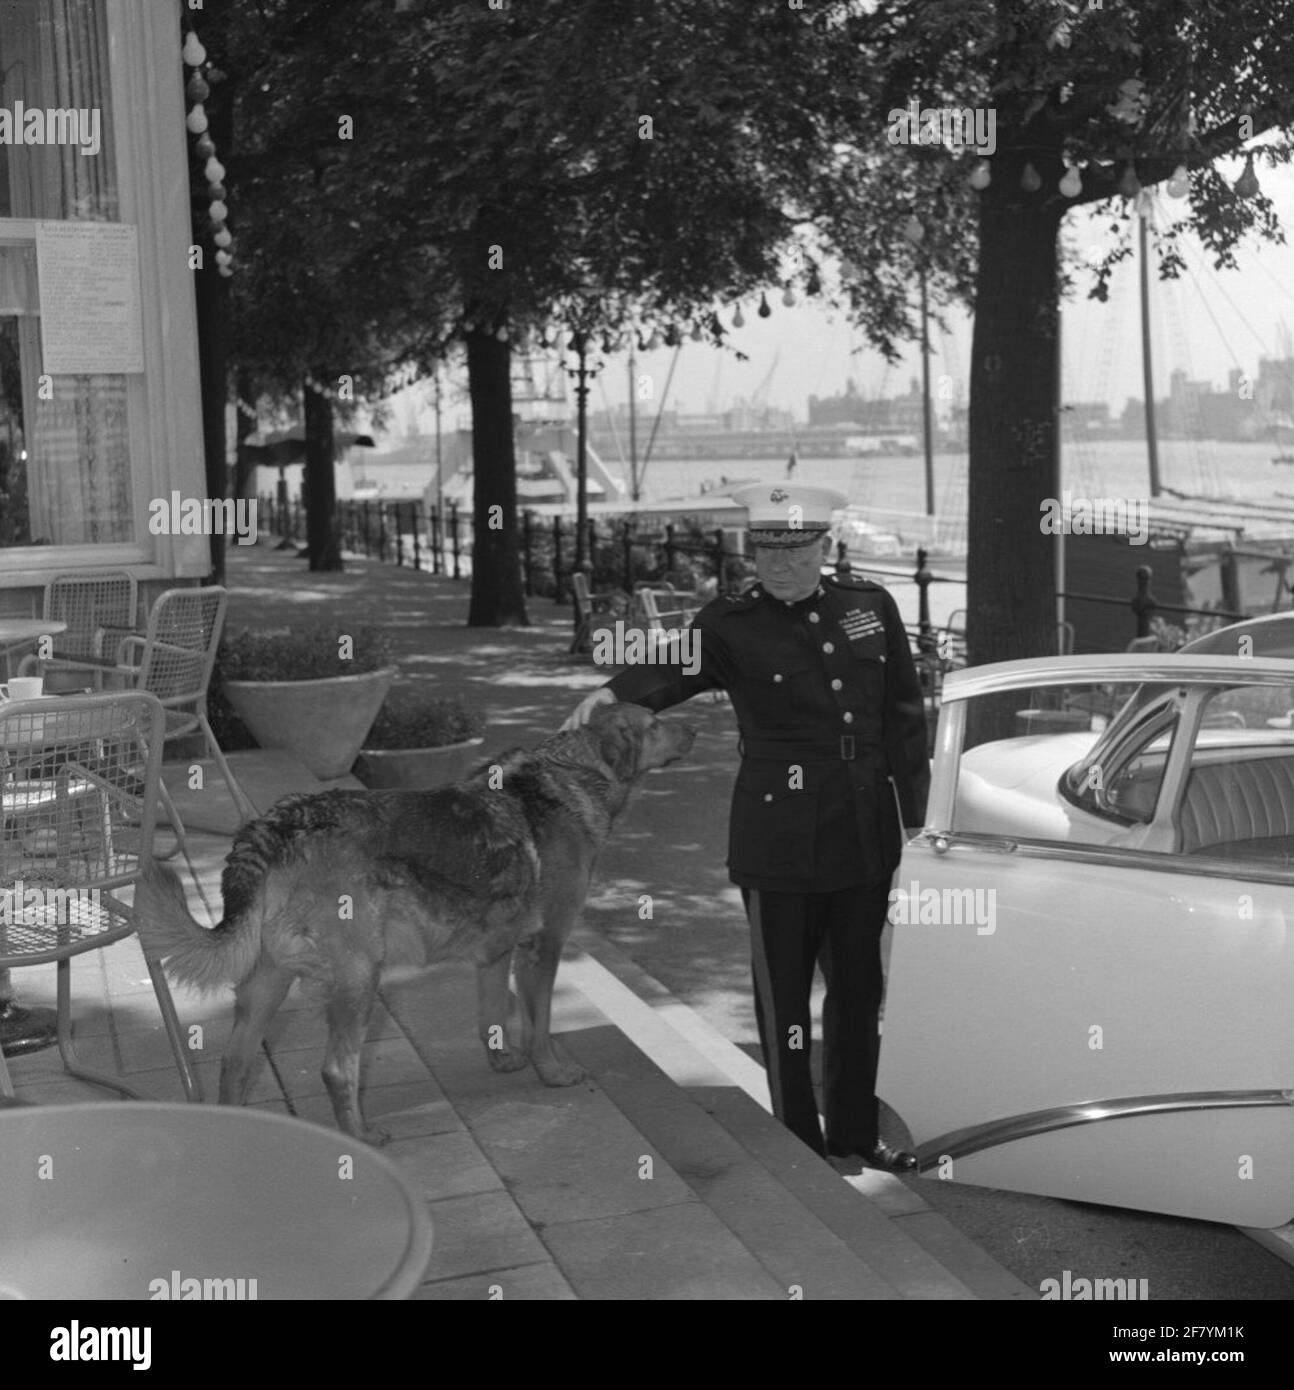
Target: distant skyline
x,y
1206,323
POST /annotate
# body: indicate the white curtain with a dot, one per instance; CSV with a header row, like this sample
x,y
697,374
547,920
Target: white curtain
x,y
54,54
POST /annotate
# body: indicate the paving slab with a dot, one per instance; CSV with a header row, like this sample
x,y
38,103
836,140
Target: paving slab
x,y
676,1252
480,1233
528,1284
788,1239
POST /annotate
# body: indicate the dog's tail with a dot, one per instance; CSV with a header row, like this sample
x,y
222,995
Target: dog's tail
x,y
194,955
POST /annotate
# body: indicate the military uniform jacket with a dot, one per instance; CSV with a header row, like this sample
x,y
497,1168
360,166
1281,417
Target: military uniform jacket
x,y
832,725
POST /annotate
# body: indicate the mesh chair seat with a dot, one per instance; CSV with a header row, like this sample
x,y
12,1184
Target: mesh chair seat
x,y
44,930
79,784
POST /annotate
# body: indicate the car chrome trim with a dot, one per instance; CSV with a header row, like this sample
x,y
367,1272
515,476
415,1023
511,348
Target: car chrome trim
x,y
976,1138
1113,857
1118,668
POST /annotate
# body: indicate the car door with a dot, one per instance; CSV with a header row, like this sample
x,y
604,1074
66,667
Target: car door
x,y
1104,1017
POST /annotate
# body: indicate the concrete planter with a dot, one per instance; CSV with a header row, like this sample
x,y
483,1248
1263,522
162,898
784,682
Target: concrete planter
x,y
416,769
323,722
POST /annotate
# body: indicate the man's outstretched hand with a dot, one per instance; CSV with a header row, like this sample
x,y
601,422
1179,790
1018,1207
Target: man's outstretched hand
x,y
580,715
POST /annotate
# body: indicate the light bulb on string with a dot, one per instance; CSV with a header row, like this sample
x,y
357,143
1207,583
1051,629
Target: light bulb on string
x,y
654,341
697,334
914,231
739,319
788,296
223,237
1071,185
1247,184
205,146
763,310
501,333
1129,184
1180,183
196,120
214,170
981,176
193,52
218,211
196,89
1030,179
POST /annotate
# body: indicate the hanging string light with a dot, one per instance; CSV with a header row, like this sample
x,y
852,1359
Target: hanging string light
x,y
739,319
1180,183
654,341
1246,186
1030,179
1071,185
914,231
763,311
1129,184
197,90
788,295
980,176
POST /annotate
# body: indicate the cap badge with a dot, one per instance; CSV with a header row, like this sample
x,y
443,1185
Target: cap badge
x,y
777,495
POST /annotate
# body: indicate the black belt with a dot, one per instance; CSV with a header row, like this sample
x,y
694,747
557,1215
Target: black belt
x,y
847,747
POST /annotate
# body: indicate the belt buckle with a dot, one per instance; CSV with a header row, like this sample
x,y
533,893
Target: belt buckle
x,y
847,747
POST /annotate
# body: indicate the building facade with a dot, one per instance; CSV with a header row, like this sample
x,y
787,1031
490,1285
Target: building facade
x,y
99,388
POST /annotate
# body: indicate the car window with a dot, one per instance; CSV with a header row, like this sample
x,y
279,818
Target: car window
x,y
1238,799
1077,764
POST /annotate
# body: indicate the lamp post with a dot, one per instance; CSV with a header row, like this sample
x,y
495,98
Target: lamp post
x,y
581,374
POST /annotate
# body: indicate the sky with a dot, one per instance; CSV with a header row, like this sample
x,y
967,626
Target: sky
x,y
1206,323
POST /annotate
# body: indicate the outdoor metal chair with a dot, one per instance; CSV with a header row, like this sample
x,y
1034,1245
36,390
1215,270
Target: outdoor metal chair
x,y
100,607
174,660
589,606
79,780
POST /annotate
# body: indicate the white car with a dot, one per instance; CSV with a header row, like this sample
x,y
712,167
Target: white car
x,y
1091,985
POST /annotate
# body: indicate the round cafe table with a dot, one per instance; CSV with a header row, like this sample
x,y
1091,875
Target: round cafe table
x,y
16,633
151,1197
25,1030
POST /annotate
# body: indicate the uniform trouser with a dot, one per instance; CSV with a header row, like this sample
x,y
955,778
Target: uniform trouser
x,y
841,932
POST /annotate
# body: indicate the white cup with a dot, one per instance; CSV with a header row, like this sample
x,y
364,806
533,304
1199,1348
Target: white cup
x,y
23,688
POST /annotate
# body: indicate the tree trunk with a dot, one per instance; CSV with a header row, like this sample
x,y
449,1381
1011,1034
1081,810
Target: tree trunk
x,y
211,295
245,474
1013,424
497,598
320,483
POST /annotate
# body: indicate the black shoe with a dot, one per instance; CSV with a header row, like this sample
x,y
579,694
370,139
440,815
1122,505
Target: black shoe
x,y
879,1155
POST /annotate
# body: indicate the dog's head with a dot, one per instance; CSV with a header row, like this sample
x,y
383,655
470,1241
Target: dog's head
x,y
632,740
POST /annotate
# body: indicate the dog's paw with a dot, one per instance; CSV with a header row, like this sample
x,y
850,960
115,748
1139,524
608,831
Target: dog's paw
x,y
558,1073
506,1058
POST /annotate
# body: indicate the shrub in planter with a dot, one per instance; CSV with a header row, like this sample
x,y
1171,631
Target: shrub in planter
x,y
313,691
420,742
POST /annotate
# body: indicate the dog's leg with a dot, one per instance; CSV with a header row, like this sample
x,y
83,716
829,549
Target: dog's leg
x,y
496,1017
537,962
256,1001
350,1002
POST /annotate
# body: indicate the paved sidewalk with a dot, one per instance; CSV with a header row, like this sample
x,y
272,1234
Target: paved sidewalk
x,y
662,1176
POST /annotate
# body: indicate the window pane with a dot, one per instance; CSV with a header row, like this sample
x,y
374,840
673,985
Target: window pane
x,y
1239,799
64,443
56,104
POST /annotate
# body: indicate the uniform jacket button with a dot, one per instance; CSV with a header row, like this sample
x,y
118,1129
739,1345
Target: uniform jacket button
x,y
837,685
813,618
828,647
768,796
777,677
848,718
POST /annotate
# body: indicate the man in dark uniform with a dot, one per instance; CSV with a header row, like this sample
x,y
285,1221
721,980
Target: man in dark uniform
x,y
833,765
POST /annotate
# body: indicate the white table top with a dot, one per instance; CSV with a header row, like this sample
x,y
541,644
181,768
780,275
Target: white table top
x,y
27,629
